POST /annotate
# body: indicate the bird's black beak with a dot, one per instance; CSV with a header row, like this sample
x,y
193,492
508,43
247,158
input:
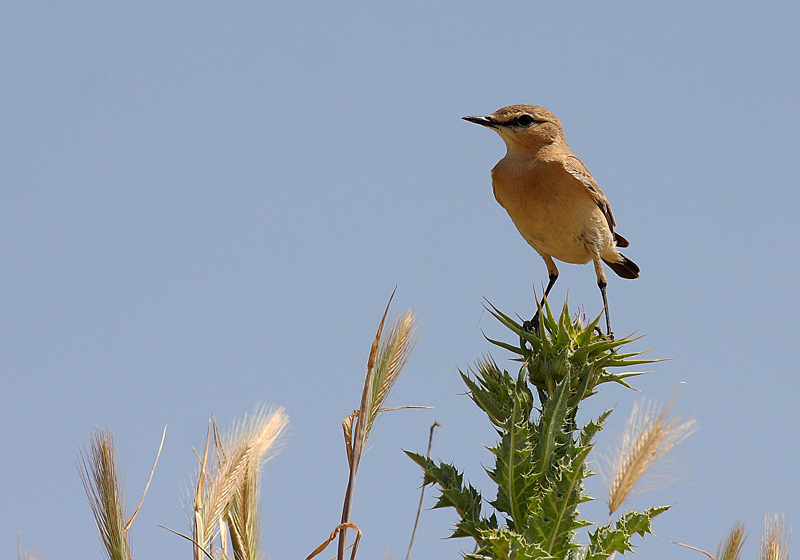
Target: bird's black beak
x,y
483,121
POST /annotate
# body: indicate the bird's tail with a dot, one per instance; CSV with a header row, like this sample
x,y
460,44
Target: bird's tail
x,y
625,267
621,241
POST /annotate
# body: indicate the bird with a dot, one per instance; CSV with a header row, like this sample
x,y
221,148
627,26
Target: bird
x,y
552,198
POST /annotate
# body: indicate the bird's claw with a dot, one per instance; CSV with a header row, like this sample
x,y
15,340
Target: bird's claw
x,y
532,325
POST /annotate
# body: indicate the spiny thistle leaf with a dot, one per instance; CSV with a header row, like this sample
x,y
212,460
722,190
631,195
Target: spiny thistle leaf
x,y
593,427
497,393
562,334
466,501
502,543
607,540
640,523
513,468
585,335
505,345
554,525
566,345
550,434
515,327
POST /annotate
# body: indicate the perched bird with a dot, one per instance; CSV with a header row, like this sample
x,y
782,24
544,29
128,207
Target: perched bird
x,y
552,198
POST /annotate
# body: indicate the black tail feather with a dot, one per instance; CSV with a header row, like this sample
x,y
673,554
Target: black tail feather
x,y
626,268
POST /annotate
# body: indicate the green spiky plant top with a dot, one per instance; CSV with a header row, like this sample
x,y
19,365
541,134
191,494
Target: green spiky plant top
x,y
541,457
568,347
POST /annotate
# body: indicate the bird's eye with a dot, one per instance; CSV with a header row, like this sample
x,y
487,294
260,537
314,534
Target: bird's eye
x,y
525,120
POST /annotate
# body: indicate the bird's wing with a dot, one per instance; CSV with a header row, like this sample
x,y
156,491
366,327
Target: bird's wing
x,y
577,169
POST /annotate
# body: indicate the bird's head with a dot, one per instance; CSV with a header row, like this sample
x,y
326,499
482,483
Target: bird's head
x,y
523,126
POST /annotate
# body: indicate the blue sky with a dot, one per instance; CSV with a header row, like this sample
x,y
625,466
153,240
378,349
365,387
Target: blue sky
x,y
206,207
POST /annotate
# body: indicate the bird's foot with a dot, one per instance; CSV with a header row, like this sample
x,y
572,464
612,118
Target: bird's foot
x,y
532,325
609,336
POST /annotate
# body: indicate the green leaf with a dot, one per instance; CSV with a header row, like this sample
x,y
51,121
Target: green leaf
x,y
562,336
495,392
558,519
513,467
586,334
485,400
505,345
505,544
634,522
606,540
551,428
593,427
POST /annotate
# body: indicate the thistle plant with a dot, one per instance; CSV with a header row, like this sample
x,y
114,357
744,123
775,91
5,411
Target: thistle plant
x,y
540,460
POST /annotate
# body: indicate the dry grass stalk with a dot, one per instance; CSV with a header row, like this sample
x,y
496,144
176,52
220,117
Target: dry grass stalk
x,y
775,541
28,554
354,445
335,532
347,425
393,355
650,434
730,548
386,359
700,550
97,467
214,491
390,354
261,433
226,493
149,480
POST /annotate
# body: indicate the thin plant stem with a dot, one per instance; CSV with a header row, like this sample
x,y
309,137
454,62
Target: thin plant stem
x,y
700,550
359,433
149,480
422,493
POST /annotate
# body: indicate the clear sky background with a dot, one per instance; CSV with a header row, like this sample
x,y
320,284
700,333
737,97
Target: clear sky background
x,y
204,208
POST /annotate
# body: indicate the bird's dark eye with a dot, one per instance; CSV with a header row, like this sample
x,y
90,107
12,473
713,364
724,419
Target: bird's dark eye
x,y
525,120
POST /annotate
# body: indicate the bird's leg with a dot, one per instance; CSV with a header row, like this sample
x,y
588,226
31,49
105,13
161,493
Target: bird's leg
x,y
535,321
602,283
552,270
602,286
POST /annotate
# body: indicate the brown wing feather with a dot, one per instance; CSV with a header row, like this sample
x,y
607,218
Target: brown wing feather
x,y
577,169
